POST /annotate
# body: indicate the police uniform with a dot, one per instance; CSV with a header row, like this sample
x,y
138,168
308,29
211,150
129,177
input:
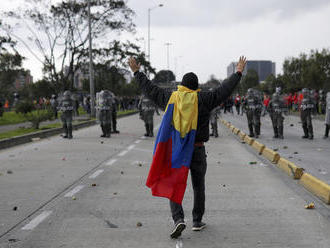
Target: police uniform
x,y
253,106
306,108
276,109
54,105
66,107
327,116
147,111
214,116
114,114
104,111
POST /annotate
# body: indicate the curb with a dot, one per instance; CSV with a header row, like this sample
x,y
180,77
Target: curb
x,y
26,138
309,182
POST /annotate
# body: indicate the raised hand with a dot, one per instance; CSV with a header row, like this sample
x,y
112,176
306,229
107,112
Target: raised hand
x,y
133,64
241,64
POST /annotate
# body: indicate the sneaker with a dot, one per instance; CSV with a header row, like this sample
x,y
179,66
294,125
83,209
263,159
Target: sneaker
x,y
198,226
179,227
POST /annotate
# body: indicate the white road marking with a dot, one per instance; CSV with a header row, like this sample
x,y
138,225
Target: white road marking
x,y
74,191
96,174
179,244
137,141
37,220
130,147
111,162
122,153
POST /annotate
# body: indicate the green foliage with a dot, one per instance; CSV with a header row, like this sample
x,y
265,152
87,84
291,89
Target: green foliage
x,y
38,116
11,117
250,80
307,71
24,107
164,76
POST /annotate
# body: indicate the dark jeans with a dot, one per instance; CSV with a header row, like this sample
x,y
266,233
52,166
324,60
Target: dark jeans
x,y
197,171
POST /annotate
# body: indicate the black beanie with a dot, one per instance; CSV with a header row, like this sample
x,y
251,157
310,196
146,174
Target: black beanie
x,y
190,80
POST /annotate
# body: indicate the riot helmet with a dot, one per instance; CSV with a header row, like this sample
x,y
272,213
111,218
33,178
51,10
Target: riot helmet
x,y
67,95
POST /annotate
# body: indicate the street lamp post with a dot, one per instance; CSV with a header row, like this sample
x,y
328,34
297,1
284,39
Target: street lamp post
x,y
167,44
149,11
91,79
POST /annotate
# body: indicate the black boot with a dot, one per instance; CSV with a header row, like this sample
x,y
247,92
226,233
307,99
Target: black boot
x,y
147,129
65,128
280,132
305,132
103,131
251,130
257,131
108,130
70,131
327,128
151,130
310,132
275,132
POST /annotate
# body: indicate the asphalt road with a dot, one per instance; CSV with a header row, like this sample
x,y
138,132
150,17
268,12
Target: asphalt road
x,y
52,180
312,155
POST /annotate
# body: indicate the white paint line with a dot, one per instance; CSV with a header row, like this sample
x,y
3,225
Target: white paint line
x,y
96,174
137,141
130,147
179,244
122,153
111,162
74,191
36,221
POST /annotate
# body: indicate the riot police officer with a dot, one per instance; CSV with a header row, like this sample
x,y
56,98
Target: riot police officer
x,y
104,113
54,105
322,102
66,107
276,108
147,111
327,116
114,113
253,107
214,116
306,108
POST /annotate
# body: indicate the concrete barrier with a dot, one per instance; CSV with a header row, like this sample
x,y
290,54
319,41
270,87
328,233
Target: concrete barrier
x,y
258,146
271,155
316,186
248,140
241,135
290,168
236,131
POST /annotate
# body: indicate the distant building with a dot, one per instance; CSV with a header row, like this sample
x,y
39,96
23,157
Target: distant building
x,y
23,78
264,68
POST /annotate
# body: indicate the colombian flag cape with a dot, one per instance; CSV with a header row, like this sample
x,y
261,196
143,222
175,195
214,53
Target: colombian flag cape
x,y
174,146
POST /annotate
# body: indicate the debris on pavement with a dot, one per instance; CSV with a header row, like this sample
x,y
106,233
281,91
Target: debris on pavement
x,y
109,224
115,193
102,142
74,198
94,185
275,149
253,162
291,125
139,224
295,153
15,208
64,159
9,172
310,206
122,172
285,147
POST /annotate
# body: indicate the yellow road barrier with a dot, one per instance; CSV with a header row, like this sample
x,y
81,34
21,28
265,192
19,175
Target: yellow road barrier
x,y
248,140
271,155
241,135
316,186
258,146
290,168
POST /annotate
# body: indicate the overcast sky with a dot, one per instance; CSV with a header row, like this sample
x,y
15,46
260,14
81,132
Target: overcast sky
x,y
206,35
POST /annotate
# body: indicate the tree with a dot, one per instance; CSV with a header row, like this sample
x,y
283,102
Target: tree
x,y
10,65
250,80
59,32
164,76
